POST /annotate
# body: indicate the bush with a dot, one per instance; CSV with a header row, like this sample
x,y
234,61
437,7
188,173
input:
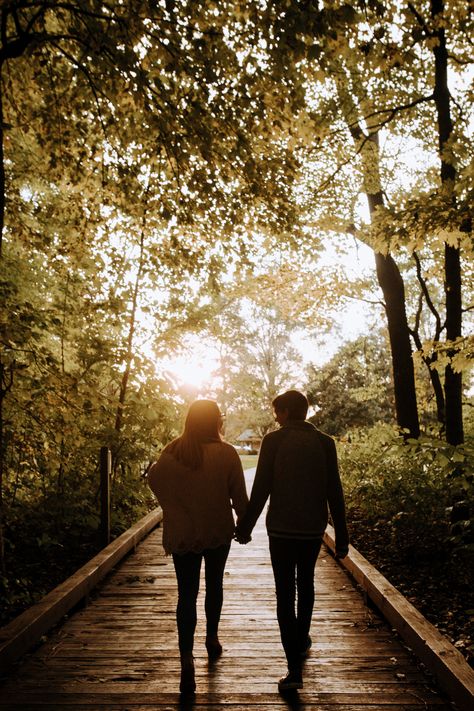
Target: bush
x,y
418,493
50,534
410,511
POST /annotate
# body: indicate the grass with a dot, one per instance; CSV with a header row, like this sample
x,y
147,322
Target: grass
x,y
249,460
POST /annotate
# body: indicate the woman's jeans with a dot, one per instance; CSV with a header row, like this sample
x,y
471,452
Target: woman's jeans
x,y
188,569
293,563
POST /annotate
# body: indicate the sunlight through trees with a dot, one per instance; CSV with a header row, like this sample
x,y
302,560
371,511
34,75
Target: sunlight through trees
x,y
183,186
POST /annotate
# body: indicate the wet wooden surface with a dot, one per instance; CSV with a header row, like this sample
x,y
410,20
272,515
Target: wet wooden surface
x,y
120,652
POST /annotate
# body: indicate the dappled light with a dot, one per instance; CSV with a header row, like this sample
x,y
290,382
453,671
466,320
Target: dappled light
x,y
230,200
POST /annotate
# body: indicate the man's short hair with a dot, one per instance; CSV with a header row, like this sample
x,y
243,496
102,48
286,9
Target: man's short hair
x,y
295,402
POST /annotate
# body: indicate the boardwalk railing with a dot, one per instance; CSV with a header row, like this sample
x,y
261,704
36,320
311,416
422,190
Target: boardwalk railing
x,y
443,660
27,629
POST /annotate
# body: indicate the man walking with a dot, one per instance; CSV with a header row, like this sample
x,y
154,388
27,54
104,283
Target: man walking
x,y
297,468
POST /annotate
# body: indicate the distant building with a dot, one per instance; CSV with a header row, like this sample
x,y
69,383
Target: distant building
x,y
249,441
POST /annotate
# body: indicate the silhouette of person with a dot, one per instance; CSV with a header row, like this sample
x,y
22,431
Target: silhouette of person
x,y
298,469
198,480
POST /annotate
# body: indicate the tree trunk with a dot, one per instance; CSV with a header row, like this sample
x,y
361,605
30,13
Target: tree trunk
x,y
391,282
435,380
452,255
2,444
129,353
439,394
2,169
130,337
2,468
6,382
453,380
430,359
389,278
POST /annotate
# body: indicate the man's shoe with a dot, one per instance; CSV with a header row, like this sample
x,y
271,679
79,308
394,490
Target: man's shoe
x,y
292,680
305,649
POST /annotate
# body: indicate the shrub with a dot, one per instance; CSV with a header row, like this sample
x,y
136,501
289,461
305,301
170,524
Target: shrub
x,y
418,493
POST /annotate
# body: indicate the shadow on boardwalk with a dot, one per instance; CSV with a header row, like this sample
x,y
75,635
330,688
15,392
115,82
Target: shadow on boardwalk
x,y
120,652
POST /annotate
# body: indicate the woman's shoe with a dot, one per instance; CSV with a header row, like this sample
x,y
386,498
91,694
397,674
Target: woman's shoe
x,y
187,684
214,647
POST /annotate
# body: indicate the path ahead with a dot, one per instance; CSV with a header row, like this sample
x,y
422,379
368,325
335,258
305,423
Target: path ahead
x,y
120,652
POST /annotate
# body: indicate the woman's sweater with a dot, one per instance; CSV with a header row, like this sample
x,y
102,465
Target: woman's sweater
x,y
197,504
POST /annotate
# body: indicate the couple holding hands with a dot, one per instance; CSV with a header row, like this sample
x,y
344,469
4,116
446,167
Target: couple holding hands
x,y
198,481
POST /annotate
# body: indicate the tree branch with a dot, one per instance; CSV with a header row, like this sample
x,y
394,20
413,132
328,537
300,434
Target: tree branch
x,y
426,294
421,20
88,76
397,109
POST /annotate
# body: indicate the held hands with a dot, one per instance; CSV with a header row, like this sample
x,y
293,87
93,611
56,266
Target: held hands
x,y
241,536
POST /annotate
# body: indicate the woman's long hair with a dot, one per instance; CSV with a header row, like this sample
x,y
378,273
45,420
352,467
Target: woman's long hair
x,y
203,423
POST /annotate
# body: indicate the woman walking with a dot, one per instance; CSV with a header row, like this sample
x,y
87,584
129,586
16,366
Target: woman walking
x,y
198,480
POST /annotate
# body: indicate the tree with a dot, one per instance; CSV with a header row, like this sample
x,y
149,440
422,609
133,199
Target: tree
x,y
354,389
435,34
257,362
99,100
319,46
377,58
433,51
151,152
389,278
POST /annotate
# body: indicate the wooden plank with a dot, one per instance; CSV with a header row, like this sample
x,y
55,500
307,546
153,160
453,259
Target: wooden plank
x,y
299,704
121,651
69,670
28,628
247,699
451,670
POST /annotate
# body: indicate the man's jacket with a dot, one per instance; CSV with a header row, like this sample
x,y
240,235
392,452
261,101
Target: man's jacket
x,y
297,468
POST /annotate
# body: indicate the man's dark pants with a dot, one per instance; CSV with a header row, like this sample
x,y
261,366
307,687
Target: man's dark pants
x,y
293,562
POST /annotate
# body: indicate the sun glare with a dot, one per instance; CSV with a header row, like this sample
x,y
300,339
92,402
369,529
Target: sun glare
x,y
197,367
192,372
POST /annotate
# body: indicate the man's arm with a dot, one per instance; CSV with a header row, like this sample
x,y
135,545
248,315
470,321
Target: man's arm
x,y
336,500
260,490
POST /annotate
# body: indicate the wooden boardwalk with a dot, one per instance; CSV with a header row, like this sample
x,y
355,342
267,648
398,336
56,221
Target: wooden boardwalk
x,y
120,652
